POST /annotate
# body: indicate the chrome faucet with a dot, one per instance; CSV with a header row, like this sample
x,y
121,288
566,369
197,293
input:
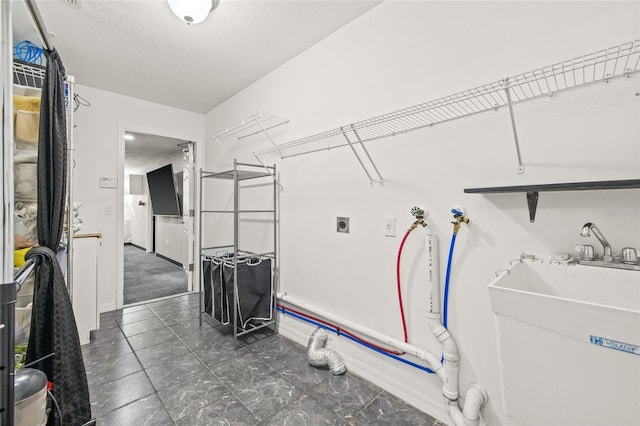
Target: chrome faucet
x,y
587,229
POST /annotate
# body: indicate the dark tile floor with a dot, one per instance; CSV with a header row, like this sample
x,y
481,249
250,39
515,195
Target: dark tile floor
x,y
147,276
153,365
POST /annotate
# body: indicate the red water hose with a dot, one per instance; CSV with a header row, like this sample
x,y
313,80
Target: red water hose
x,y
404,322
338,330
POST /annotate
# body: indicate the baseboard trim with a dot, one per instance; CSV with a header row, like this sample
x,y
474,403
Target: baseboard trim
x,y
107,307
136,246
169,260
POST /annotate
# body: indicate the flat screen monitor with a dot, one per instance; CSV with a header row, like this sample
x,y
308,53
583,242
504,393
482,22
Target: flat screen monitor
x,y
162,190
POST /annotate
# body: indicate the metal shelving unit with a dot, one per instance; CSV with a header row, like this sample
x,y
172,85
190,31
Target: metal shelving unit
x,y
600,66
241,172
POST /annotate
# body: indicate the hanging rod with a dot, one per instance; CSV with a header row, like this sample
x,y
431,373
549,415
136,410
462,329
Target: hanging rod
x,y
600,66
41,29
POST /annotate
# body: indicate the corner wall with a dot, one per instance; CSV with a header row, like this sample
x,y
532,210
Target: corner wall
x,y
403,53
100,152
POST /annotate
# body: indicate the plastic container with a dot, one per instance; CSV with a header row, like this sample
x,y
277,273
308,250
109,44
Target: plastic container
x,y
31,397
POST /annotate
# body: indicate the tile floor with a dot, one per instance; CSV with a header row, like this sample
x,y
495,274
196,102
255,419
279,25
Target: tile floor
x,y
153,365
147,276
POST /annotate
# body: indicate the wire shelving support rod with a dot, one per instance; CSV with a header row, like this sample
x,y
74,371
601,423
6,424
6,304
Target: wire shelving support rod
x,y
507,91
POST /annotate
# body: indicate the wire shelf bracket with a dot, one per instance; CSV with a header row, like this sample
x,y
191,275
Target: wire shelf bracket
x,y
512,117
351,131
255,124
597,67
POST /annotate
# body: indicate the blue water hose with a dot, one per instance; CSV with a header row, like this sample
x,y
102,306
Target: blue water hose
x,y
445,302
317,324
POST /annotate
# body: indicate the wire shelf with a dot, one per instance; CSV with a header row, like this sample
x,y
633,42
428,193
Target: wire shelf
x,y
602,65
28,75
254,124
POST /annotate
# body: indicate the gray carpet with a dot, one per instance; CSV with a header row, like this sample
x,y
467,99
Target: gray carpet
x,y
148,277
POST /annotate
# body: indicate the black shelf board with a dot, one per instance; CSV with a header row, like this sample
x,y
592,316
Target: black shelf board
x,y
568,186
533,190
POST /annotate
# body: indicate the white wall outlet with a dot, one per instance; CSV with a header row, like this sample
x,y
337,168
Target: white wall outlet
x,y
108,210
390,226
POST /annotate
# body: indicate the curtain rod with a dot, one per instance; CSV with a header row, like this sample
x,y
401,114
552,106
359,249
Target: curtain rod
x,y
41,29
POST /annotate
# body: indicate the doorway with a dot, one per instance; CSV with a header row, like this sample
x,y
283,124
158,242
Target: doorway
x,y
158,237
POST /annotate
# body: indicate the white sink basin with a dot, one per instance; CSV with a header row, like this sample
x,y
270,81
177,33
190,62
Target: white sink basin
x,y
575,300
569,340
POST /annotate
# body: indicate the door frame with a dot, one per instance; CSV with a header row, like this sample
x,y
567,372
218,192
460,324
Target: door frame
x,y
123,128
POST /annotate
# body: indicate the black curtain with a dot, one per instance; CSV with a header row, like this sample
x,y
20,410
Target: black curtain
x,y
53,331
52,155
53,325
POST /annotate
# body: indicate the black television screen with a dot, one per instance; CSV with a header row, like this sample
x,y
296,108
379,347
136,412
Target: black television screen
x,y
162,190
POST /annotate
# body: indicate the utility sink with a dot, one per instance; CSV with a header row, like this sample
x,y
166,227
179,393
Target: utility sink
x,y
569,342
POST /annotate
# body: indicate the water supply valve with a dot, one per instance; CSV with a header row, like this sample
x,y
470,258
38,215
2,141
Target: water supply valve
x,y
459,218
419,214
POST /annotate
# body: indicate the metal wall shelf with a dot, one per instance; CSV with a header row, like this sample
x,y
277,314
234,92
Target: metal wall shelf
x,y
600,66
533,190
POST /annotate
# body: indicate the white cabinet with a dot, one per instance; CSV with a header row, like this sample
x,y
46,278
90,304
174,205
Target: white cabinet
x,y
86,250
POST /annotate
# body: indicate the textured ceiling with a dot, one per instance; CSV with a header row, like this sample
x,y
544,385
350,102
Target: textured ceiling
x,y
146,149
140,49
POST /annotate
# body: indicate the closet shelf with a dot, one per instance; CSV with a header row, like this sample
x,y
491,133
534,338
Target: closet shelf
x,y
27,74
533,190
254,124
228,175
600,66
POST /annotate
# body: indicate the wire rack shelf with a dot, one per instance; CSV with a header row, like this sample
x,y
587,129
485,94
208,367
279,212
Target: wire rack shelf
x,y
600,66
28,75
255,124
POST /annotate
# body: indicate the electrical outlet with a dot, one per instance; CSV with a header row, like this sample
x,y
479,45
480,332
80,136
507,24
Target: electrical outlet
x,y
390,226
108,210
342,224
167,242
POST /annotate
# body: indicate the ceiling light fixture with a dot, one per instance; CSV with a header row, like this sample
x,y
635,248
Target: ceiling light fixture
x,y
193,11
128,137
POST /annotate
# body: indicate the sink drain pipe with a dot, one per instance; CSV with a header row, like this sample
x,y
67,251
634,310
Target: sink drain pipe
x,y
475,397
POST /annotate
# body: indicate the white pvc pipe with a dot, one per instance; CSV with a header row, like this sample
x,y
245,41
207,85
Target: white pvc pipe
x,y
432,361
433,276
476,397
450,349
449,372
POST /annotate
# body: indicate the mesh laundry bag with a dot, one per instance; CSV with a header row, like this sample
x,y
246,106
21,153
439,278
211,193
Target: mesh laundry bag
x,y
254,289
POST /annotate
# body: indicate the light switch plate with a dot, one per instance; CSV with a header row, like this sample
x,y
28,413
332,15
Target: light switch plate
x,y
108,182
390,226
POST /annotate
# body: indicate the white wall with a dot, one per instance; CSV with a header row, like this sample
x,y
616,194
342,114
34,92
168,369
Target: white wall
x,y
100,152
136,213
403,53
